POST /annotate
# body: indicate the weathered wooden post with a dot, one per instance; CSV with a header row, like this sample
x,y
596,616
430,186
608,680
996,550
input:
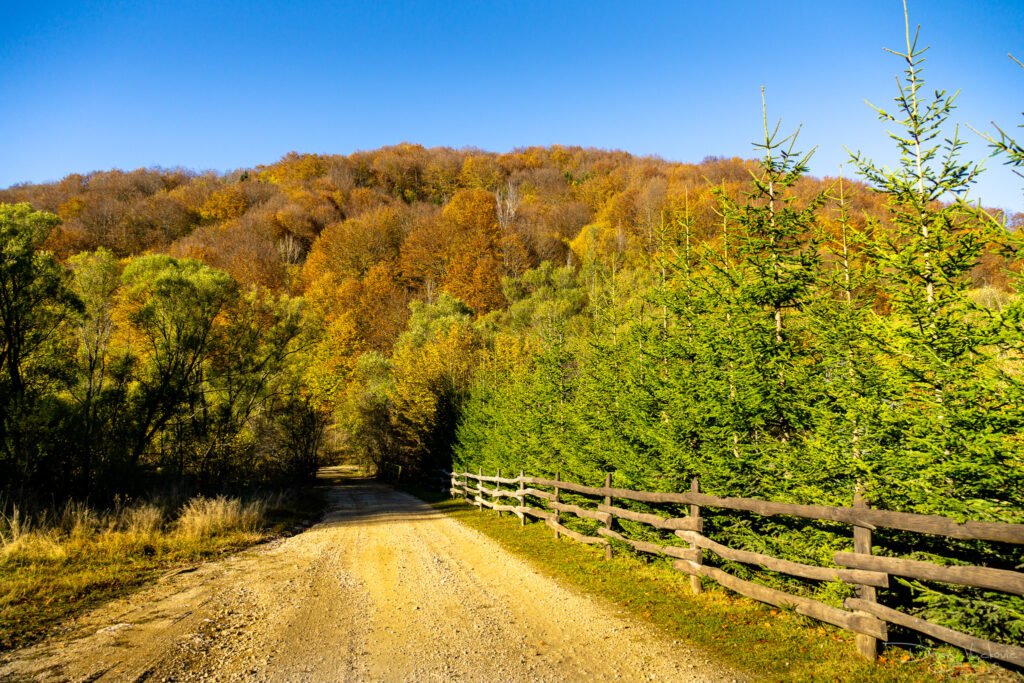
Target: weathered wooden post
x,y
480,489
695,514
495,498
608,522
558,478
521,498
867,646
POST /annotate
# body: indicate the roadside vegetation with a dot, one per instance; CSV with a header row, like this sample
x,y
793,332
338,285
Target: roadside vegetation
x,y
768,643
801,349
56,565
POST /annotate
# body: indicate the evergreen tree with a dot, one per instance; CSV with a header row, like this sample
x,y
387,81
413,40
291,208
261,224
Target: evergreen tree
x,y
774,377
954,450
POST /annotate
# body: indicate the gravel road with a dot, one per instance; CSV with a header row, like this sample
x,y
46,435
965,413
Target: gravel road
x,y
383,589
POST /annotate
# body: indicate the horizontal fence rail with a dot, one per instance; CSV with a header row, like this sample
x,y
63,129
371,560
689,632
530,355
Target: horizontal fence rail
x,y
541,498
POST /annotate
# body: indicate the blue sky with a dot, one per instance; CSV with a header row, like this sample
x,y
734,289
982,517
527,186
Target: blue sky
x,y
228,84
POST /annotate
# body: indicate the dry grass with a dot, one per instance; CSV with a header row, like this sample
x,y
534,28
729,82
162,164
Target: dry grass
x,y
206,517
143,519
79,531
56,564
13,527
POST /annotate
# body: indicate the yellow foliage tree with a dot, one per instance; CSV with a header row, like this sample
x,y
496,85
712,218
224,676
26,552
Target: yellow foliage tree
x,y
432,369
225,204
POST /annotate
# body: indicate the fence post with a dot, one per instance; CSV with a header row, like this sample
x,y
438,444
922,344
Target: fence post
x,y
522,499
867,646
479,489
695,514
608,524
495,498
558,478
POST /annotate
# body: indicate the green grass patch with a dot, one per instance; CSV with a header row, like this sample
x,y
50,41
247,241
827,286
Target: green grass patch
x,y
55,570
768,643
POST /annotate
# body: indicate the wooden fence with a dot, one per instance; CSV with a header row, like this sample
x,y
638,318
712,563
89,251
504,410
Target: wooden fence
x,y
864,615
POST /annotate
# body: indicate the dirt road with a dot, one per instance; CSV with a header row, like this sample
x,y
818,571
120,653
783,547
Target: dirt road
x,y
383,589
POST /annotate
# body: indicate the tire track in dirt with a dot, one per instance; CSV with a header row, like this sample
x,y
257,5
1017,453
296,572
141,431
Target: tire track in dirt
x,y
383,589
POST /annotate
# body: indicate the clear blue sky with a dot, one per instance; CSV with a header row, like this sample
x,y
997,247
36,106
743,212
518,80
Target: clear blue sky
x,y
226,84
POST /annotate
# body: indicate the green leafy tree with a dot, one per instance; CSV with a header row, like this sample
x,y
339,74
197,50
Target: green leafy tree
x,y
171,306
431,369
246,374
518,409
35,304
99,391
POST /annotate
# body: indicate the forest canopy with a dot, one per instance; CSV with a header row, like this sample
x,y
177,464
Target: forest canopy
x,y
389,297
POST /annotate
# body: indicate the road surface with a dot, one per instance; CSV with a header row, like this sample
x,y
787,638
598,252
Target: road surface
x,y
383,589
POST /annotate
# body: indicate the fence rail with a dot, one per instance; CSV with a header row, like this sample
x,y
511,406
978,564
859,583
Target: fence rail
x,y
863,615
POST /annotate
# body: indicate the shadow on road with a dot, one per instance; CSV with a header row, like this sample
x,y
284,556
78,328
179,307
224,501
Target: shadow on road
x,y
355,498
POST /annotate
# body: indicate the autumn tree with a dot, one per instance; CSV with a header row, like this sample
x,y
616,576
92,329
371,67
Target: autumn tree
x,y
480,253
431,370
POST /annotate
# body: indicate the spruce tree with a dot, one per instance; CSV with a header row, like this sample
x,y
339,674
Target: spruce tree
x,y
952,457
951,397
777,252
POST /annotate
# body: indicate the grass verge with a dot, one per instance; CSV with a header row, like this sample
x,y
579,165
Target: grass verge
x,y
768,643
56,568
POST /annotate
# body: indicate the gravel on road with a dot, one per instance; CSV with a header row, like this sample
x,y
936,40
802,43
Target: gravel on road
x,y
383,589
